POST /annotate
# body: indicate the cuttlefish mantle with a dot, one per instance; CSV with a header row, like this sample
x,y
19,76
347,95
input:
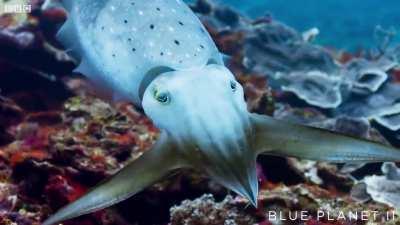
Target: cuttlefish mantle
x,y
158,55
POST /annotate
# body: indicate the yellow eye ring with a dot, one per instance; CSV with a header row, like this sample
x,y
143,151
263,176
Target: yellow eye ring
x,y
162,97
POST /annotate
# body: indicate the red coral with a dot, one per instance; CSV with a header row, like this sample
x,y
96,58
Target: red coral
x,y
54,15
62,190
396,75
19,157
346,57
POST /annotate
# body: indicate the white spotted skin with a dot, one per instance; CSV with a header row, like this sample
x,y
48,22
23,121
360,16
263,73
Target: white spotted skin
x,y
122,40
207,109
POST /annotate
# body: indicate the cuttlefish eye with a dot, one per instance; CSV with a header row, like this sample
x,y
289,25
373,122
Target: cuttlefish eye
x,y
233,85
162,96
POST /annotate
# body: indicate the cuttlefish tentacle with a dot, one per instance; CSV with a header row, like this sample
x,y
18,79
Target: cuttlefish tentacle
x,y
269,136
226,154
285,139
139,174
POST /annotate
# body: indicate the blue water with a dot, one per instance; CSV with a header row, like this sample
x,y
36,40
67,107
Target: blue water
x,y
348,24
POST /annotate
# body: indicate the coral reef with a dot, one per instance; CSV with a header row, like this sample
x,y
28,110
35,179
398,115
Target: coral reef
x,y
384,189
57,140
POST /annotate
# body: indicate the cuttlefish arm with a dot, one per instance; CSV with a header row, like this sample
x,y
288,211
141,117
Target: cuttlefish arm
x,y
281,138
141,173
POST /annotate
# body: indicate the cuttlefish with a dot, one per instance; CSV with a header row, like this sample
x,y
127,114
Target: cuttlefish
x,y
158,55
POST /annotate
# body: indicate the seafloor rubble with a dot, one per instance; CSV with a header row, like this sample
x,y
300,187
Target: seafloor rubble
x,y
57,140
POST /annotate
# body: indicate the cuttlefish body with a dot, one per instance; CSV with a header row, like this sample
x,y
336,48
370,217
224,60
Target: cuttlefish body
x,y
157,54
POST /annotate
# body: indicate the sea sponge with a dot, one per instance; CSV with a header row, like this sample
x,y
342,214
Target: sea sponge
x,y
367,76
378,104
391,118
315,87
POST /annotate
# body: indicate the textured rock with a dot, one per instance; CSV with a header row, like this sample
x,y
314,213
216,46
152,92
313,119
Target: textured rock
x,y
205,211
384,189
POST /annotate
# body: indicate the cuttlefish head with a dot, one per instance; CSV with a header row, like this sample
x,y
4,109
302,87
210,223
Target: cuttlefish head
x,y
204,111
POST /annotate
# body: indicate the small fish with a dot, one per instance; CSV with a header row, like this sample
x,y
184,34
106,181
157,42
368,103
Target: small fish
x,y
157,54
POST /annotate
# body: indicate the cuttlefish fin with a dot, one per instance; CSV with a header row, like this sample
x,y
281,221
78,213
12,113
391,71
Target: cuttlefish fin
x,y
146,170
281,138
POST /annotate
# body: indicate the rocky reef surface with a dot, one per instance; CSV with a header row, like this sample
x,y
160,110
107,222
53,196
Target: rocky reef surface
x,y
57,139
